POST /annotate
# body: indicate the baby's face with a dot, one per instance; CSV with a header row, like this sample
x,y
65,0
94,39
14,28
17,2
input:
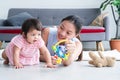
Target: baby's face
x,y
33,36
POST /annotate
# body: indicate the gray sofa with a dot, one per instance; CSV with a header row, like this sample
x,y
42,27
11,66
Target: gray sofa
x,y
52,17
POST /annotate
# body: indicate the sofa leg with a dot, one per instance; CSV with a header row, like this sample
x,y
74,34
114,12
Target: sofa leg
x,y
99,46
0,44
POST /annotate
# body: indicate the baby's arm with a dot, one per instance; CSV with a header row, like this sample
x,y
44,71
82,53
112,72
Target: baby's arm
x,y
16,52
46,56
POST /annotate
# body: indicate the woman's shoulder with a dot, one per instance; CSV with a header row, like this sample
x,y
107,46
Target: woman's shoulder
x,y
75,39
48,32
45,30
48,29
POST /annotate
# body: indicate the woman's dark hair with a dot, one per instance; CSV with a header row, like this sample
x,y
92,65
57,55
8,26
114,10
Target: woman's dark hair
x,y
75,20
31,24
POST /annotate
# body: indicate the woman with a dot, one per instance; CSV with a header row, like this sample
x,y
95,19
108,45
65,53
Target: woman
x,y
69,29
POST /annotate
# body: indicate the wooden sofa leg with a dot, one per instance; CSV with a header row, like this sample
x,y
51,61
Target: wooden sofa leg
x,y
99,46
0,44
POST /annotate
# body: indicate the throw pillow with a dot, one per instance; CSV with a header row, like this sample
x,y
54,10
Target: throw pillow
x,y
99,20
17,20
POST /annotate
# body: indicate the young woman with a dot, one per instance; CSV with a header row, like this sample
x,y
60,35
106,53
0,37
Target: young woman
x,y
24,48
69,29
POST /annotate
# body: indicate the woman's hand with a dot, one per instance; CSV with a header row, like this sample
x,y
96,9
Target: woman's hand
x,y
70,46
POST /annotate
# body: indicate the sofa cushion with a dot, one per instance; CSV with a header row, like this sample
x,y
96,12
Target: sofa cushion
x,y
92,29
17,20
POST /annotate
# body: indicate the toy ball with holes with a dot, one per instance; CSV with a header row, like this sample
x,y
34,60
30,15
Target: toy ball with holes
x,y
60,51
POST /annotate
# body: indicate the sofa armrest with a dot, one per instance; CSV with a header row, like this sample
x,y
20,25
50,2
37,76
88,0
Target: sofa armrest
x,y
106,24
1,22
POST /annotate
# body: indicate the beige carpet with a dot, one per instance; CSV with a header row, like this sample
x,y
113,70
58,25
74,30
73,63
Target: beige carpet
x,y
113,53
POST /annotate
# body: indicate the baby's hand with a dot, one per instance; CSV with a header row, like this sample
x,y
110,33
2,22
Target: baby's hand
x,y
50,65
18,65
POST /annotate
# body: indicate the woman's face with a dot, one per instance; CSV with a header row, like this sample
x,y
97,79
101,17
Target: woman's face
x,y
66,30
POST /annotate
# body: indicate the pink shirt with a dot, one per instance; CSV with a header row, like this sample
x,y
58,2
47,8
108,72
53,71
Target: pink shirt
x,y
29,53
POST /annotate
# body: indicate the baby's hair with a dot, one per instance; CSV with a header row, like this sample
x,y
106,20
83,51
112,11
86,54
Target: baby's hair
x,y
30,24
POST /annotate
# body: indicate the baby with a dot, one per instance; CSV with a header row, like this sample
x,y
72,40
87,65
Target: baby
x,y
24,49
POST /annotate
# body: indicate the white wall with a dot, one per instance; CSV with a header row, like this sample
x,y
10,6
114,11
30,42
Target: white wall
x,y
5,5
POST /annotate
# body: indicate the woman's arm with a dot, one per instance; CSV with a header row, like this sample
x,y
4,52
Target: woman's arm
x,y
74,48
16,53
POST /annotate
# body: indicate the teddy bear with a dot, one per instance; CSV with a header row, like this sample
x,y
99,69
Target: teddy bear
x,y
101,60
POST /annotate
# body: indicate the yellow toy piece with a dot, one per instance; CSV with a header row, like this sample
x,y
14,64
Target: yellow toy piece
x,y
59,60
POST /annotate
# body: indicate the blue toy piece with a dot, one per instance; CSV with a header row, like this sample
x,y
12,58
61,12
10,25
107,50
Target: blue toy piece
x,y
61,51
